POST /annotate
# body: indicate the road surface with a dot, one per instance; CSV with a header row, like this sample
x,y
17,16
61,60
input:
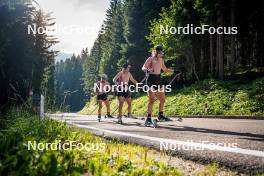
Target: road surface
x,y
235,143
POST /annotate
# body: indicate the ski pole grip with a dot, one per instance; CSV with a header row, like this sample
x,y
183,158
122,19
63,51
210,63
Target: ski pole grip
x,y
147,71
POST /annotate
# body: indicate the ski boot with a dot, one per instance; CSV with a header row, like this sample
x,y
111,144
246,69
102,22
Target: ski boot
x,y
149,122
162,118
180,119
130,116
108,116
119,121
99,118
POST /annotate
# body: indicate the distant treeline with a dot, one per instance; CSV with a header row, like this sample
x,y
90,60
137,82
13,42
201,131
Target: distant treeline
x,y
70,95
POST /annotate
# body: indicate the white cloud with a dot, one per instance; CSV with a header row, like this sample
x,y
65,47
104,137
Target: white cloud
x,y
82,13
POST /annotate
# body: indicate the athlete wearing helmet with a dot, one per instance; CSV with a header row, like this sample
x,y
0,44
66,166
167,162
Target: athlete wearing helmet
x,y
123,78
102,96
154,65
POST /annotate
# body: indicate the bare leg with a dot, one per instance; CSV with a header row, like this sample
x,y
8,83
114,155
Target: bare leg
x,y
100,105
107,104
152,98
129,105
121,103
162,100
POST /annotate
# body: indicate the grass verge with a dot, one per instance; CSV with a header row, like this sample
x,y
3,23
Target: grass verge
x,y
115,158
208,97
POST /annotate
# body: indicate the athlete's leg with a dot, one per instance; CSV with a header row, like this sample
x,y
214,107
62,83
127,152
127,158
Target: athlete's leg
x,y
100,105
120,107
161,95
107,104
152,99
129,105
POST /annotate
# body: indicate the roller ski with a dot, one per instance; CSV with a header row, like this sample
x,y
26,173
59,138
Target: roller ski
x,y
151,123
130,116
119,120
162,118
180,119
108,116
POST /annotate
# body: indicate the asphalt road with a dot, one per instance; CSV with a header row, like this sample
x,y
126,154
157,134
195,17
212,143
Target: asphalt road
x,y
235,143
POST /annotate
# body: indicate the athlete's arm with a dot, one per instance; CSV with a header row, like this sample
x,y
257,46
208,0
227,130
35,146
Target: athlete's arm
x,y
146,66
117,76
131,78
165,69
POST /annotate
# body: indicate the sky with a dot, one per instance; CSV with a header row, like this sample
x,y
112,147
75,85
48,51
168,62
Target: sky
x,y
78,14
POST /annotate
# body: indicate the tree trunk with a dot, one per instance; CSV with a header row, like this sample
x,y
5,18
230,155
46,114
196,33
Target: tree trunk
x,y
220,41
212,55
233,51
190,54
217,57
202,60
260,36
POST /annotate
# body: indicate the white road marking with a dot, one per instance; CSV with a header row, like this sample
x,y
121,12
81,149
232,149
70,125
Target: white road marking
x,y
172,141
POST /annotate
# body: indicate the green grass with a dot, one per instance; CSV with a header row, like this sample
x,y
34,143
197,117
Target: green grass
x,y
117,158
222,98
209,170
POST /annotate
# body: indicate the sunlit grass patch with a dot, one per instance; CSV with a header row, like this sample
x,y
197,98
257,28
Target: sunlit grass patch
x,y
117,158
209,97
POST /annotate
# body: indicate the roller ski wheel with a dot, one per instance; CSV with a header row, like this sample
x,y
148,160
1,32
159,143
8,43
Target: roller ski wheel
x,y
155,123
130,116
119,121
151,123
108,116
162,118
180,119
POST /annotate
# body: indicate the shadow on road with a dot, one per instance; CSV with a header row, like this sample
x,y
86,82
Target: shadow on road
x,y
248,136
252,136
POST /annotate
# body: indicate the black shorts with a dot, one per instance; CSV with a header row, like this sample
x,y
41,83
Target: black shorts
x,y
154,80
124,94
102,97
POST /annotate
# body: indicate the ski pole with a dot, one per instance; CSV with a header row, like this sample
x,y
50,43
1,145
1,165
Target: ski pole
x,y
93,110
145,78
115,109
176,76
